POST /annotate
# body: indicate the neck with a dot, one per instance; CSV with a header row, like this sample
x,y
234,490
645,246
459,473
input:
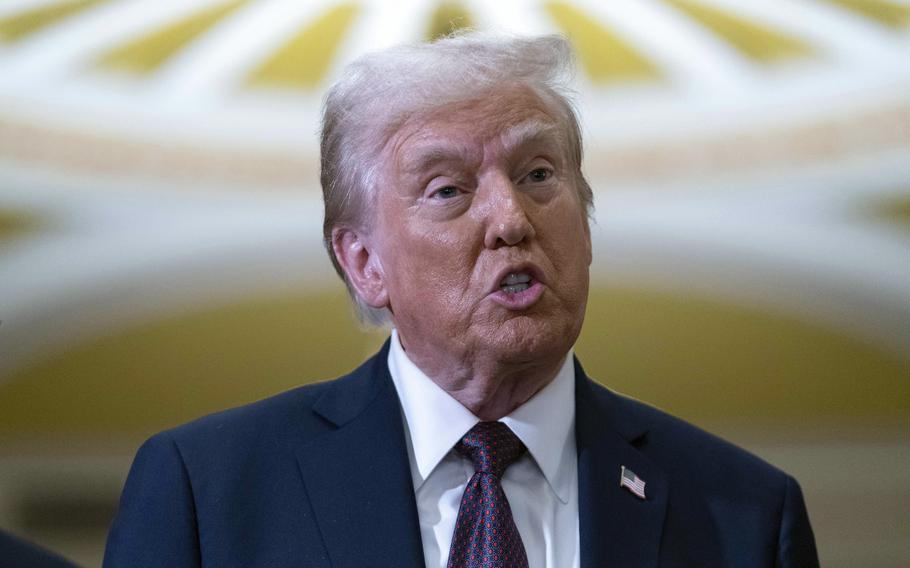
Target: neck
x,y
484,383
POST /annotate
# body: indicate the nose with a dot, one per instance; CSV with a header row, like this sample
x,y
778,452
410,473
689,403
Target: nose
x,y
507,216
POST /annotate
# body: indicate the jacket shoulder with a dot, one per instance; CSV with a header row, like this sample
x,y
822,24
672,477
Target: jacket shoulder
x,y
687,452
268,413
274,424
756,510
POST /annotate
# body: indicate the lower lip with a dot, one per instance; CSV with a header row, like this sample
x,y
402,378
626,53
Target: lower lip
x,y
519,300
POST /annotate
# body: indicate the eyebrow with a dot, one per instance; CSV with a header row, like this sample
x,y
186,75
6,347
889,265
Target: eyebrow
x,y
531,130
423,159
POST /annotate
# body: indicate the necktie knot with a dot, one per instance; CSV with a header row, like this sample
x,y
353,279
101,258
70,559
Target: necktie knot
x,y
492,446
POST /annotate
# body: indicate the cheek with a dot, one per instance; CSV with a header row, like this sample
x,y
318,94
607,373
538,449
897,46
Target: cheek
x,y
564,234
567,245
447,250
432,272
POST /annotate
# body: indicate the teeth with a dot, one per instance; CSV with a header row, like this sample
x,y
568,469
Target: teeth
x,y
513,279
514,283
515,289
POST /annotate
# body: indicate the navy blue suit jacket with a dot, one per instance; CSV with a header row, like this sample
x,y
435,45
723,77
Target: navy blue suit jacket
x,y
319,476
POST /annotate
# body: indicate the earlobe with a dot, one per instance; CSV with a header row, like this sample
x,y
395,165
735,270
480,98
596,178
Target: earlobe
x,y
361,265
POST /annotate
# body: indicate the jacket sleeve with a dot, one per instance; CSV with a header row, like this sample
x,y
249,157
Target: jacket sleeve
x,y
156,520
796,543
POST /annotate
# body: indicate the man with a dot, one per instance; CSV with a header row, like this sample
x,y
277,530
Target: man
x,y
456,211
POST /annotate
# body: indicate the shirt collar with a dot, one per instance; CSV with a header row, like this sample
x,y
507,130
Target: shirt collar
x,y
435,421
546,425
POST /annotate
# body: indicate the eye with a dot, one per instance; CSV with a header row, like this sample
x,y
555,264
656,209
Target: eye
x,y
539,175
447,192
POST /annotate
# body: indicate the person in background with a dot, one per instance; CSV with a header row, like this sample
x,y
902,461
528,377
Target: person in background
x,y
18,553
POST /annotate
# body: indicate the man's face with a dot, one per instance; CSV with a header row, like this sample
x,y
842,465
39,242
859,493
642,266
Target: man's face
x,y
481,236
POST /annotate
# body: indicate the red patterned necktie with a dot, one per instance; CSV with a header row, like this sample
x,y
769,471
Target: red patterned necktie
x,y
485,533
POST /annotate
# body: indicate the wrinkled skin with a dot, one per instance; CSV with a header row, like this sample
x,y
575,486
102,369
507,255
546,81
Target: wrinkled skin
x,y
468,193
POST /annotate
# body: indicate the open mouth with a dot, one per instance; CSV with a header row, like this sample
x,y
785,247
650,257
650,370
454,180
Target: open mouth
x,y
515,282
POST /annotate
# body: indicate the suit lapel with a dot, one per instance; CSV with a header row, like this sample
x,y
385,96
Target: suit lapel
x,y
617,527
358,476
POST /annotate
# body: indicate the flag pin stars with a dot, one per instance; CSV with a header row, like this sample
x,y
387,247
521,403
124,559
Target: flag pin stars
x,y
632,482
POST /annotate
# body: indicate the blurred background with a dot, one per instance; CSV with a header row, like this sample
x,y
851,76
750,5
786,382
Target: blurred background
x,y
160,231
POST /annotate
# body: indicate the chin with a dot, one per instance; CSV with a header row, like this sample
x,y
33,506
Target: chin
x,y
529,339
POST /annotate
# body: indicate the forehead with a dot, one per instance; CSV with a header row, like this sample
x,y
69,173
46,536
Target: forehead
x,y
510,117
493,113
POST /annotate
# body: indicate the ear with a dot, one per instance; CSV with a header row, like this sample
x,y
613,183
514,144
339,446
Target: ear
x,y
589,247
361,265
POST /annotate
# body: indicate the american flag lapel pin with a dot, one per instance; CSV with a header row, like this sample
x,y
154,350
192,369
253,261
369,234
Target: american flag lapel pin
x,y
632,482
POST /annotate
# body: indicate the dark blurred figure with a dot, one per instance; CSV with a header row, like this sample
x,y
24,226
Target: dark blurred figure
x,y
17,553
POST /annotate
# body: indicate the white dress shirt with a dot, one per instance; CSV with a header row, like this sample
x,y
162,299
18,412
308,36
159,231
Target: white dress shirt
x,y
542,486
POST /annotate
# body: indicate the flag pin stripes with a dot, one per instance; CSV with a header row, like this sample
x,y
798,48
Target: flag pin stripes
x,y
632,482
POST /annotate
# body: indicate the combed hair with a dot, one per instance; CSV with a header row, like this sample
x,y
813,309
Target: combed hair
x,y
379,91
